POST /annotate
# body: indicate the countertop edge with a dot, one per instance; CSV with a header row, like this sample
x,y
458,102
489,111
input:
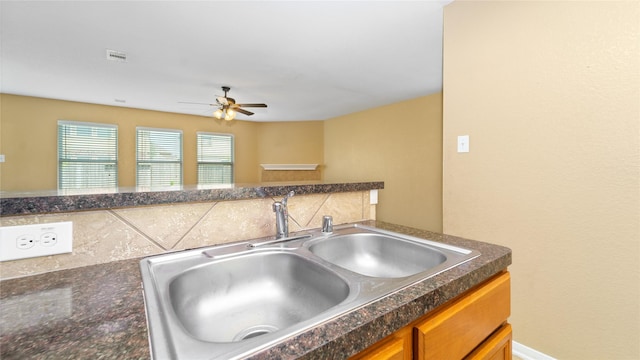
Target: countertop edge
x,y
46,202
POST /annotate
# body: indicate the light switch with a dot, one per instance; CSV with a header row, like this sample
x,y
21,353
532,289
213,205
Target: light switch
x,y
463,143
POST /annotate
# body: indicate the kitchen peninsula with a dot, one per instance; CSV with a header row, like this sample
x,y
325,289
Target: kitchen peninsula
x,y
97,310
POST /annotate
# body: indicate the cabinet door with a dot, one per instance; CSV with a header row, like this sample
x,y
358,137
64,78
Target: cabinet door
x,y
396,346
497,347
454,331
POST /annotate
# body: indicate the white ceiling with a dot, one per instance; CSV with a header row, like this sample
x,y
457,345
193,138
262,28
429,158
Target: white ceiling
x,y
308,60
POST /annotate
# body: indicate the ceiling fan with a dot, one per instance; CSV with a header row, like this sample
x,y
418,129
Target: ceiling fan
x,y
227,107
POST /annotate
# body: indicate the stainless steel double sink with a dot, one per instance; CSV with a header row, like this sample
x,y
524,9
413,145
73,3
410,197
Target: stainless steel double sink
x,y
229,301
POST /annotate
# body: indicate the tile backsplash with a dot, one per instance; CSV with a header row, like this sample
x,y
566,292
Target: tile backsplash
x,y
115,234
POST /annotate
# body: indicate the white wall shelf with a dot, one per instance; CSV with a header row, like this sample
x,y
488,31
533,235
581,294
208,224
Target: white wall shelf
x,y
289,166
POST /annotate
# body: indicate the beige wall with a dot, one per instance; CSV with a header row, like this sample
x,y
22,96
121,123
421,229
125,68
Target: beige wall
x,y
295,142
291,142
400,144
28,139
549,92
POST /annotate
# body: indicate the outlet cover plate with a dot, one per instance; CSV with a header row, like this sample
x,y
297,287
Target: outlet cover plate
x,y
463,143
27,241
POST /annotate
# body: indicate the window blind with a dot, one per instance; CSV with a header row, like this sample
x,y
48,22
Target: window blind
x,y
215,158
87,155
159,157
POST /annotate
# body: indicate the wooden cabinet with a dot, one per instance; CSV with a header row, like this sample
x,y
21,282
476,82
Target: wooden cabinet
x,y
496,347
396,346
458,328
472,326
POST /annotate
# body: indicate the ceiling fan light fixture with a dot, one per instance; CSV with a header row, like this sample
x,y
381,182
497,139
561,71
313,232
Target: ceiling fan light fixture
x,y
217,114
230,115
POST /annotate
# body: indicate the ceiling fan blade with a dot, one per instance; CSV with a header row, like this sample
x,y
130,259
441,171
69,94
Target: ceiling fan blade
x,y
222,100
252,105
242,111
195,103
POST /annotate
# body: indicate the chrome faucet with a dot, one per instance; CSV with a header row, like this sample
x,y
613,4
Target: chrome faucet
x,y
282,216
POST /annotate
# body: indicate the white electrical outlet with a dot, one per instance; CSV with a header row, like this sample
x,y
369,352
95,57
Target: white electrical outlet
x,y
26,241
373,197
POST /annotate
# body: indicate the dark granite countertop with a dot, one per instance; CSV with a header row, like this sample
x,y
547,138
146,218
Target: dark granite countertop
x,y
97,312
23,203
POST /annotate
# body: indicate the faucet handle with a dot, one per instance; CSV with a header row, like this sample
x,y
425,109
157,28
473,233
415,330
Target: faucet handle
x,y
286,197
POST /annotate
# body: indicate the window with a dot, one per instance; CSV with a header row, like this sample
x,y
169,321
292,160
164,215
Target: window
x,y
87,155
159,157
215,158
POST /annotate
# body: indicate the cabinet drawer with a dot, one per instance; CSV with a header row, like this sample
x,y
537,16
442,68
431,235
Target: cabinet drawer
x,y
497,347
454,331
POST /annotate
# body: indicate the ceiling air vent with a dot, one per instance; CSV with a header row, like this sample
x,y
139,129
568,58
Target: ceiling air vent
x,y
113,55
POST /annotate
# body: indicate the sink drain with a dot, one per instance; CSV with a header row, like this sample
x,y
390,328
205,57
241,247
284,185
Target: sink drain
x,y
254,331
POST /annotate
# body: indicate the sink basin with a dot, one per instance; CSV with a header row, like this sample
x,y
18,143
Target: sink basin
x,y
378,255
231,301
252,295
